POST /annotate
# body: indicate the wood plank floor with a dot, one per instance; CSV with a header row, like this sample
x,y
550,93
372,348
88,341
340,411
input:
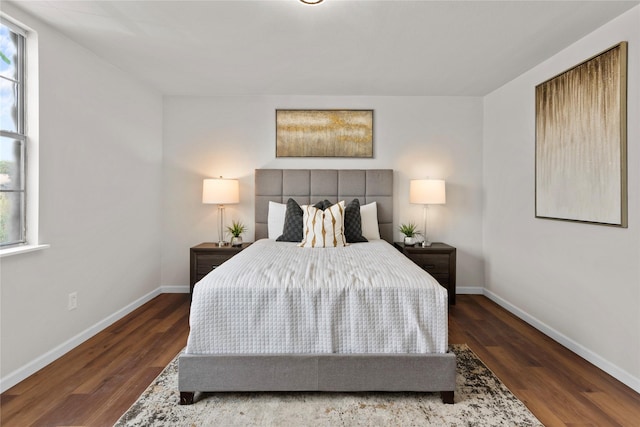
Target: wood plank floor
x,y
96,382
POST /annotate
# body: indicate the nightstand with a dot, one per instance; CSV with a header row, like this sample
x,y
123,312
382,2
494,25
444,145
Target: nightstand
x,y
439,260
207,256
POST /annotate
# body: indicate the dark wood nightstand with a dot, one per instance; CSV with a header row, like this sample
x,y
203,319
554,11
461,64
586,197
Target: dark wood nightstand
x,y
207,256
439,260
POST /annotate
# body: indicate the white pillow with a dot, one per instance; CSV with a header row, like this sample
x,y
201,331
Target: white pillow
x,y
369,220
275,219
323,228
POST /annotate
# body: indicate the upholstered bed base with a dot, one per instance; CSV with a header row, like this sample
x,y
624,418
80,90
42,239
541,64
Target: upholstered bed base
x,y
431,372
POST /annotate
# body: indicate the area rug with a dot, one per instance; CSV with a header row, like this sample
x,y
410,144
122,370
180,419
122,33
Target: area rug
x,y
480,400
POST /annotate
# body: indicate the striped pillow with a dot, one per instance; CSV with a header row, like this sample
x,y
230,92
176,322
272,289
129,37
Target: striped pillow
x,y
323,228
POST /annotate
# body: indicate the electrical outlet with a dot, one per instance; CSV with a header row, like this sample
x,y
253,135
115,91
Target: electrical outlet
x,y
72,304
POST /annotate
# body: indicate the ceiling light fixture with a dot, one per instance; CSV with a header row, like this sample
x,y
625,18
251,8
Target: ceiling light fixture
x,y
311,1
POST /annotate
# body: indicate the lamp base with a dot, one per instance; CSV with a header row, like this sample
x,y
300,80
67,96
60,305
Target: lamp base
x,y
221,242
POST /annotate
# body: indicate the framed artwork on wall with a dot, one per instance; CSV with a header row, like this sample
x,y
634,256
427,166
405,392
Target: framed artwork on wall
x,y
581,142
324,133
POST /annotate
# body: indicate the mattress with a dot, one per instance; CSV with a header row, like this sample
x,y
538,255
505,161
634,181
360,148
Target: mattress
x,y
277,298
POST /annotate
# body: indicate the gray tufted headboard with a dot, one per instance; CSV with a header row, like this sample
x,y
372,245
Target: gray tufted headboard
x,y
308,186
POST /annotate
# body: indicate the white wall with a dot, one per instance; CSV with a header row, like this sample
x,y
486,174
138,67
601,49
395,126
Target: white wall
x,y
580,283
100,199
439,137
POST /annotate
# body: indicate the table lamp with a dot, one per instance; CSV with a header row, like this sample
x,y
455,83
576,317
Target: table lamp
x,y
427,192
220,191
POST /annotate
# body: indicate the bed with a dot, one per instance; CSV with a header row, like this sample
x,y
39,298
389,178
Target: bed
x,y
261,322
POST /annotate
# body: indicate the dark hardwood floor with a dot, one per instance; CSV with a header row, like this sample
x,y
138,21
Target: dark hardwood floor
x,y
97,382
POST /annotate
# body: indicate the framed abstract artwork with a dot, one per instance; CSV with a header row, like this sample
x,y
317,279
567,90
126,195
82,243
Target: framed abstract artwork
x,y
324,133
581,142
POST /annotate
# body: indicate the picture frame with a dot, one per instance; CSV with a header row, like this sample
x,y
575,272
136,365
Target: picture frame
x,y
581,142
324,133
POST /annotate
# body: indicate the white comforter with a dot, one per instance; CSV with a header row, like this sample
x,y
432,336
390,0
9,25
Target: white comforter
x,y
275,297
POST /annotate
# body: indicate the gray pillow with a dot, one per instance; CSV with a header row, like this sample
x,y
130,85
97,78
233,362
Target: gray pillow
x,y
353,223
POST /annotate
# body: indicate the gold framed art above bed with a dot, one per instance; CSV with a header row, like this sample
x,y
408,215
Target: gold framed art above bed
x,y
324,133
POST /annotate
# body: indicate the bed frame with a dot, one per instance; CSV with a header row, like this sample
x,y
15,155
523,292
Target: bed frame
x,y
430,372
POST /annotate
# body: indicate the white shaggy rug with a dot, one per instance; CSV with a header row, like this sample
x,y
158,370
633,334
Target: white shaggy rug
x,y
480,400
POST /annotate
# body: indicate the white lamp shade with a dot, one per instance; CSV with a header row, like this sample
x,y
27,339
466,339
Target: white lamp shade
x,y
220,191
427,192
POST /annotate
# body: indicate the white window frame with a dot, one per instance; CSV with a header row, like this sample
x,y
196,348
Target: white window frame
x,y
20,133
31,144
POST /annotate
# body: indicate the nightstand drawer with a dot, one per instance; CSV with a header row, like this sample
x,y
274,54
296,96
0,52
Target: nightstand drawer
x,y
439,260
208,256
435,264
201,276
207,262
442,279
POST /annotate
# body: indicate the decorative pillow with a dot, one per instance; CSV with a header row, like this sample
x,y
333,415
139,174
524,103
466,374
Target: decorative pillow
x,y
292,228
323,228
323,204
353,223
275,219
369,217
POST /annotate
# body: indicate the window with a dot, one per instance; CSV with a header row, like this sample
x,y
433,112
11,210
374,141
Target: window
x,y
13,139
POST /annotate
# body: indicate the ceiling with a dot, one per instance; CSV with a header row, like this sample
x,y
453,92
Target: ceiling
x,y
340,47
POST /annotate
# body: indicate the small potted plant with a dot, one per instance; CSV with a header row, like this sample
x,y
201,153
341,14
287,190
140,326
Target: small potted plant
x,y
236,229
410,232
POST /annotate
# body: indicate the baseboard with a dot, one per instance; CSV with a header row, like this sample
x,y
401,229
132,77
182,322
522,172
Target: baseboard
x,y
470,290
593,358
35,365
177,289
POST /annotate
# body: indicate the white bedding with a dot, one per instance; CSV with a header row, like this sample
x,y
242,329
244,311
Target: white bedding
x,y
275,297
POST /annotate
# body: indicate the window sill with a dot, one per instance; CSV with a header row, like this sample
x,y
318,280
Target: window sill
x,y
21,250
